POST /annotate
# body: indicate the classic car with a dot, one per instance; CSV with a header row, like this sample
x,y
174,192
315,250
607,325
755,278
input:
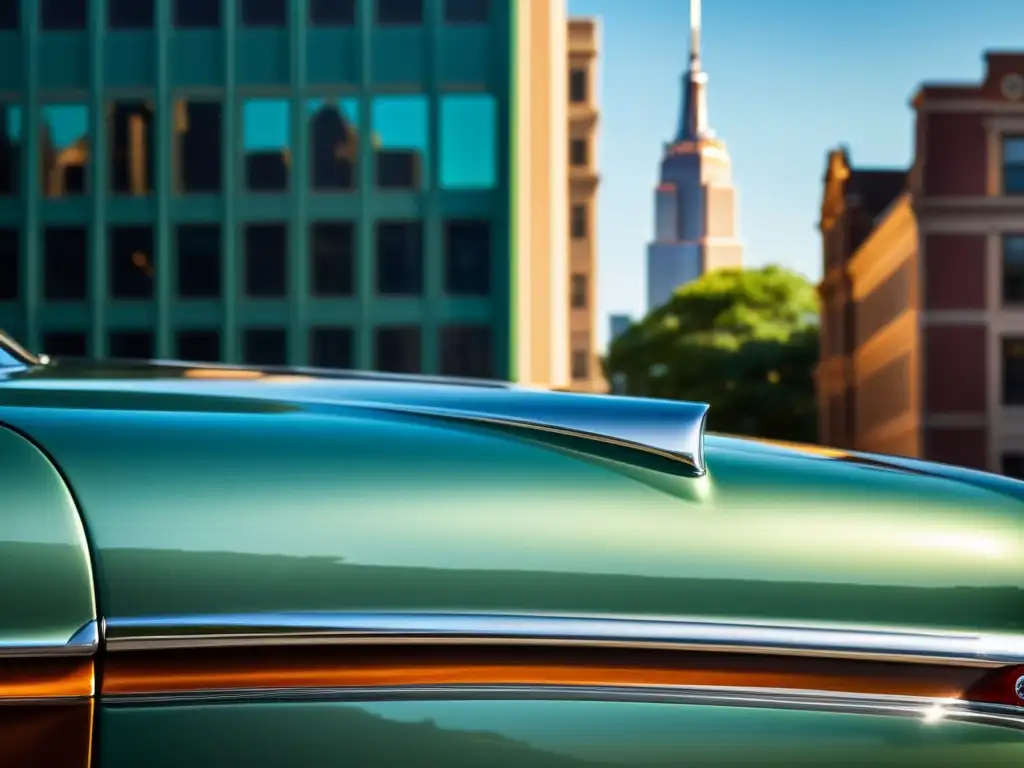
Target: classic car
x,y
214,566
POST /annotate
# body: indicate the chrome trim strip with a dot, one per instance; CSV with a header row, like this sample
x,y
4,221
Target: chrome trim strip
x,y
84,642
310,628
928,709
14,701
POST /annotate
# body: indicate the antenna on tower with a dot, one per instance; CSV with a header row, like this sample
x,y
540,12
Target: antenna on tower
x,y
695,30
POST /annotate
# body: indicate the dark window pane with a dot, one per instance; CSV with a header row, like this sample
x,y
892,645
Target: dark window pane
x,y
196,13
580,364
131,345
578,86
398,169
1013,269
397,350
1013,465
1013,165
131,14
64,149
579,221
333,143
264,13
466,351
578,291
1013,371
199,262
323,13
578,152
131,147
331,347
401,123
65,344
64,264
131,262
400,258
467,11
197,142
10,148
63,14
399,11
199,346
9,14
468,258
332,246
265,346
266,130
9,260
266,260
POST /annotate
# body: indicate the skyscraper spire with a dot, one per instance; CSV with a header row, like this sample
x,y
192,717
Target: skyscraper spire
x,y
693,110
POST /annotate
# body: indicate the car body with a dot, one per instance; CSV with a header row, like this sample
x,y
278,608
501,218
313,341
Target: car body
x,y
216,566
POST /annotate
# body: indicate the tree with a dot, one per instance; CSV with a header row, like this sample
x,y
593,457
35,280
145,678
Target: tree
x,y
745,341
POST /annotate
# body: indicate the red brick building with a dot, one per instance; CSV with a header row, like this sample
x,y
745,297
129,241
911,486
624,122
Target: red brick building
x,y
922,350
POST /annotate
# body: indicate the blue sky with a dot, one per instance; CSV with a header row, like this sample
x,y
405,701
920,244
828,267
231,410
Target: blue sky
x,y
789,79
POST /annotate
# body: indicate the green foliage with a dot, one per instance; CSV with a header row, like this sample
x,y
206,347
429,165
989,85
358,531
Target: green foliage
x,y
743,340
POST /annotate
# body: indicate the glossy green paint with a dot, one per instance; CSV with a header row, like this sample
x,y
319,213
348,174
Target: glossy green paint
x,y
46,585
537,734
270,495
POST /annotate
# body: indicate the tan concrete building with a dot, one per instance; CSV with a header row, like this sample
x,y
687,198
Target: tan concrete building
x,y
583,115
923,288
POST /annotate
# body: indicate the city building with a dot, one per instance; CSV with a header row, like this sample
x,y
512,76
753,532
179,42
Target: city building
x,y
922,350
346,183
695,208
618,325
584,44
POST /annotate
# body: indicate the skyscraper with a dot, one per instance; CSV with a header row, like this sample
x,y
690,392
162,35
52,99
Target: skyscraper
x,y
695,221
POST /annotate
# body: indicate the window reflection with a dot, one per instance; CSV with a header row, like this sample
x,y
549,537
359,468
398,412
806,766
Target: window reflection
x,y
65,260
131,262
131,147
469,157
9,264
266,260
199,261
197,146
10,149
399,140
64,149
398,349
333,142
466,350
266,138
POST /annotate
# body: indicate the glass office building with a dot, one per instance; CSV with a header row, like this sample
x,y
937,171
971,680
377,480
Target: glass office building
x,y
304,182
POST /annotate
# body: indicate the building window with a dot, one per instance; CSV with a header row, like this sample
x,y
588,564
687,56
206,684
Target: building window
x,y
397,349
1013,465
333,143
267,138
196,14
579,222
264,13
265,346
130,126
266,260
467,11
65,344
578,86
400,258
578,152
469,142
197,146
64,149
400,141
131,262
199,346
1013,165
332,13
10,149
59,15
332,247
199,261
579,292
467,258
130,14
467,351
1013,371
10,17
399,11
580,364
1013,269
65,260
9,264
131,345
331,347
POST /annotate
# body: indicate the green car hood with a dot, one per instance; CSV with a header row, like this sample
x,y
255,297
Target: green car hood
x,y
224,491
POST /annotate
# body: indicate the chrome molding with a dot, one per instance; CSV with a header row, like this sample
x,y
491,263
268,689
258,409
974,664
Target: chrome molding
x,y
276,629
930,710
83,642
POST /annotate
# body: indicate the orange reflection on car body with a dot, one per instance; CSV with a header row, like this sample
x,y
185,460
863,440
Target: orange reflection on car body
x,y
45,678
